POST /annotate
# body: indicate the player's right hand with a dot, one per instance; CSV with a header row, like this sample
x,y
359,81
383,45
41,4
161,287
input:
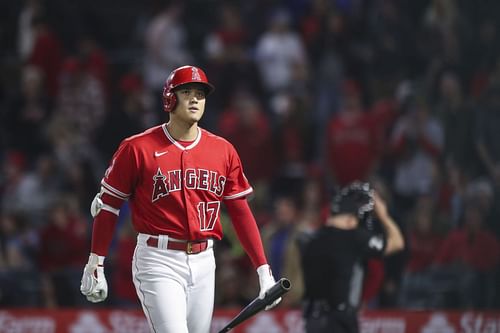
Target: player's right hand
x,y
266,281
93,284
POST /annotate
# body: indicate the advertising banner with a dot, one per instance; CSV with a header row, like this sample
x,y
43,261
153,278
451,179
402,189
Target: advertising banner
x,y
274,321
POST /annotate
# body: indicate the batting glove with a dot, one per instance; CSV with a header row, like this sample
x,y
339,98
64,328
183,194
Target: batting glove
x,y
94,285
266,281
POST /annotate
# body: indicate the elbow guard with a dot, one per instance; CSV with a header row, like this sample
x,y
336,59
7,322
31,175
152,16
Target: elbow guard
x,y
98,204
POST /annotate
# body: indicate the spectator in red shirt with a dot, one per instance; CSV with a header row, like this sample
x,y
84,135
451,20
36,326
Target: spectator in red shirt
x,y
423,242
62,251
95,61
470,245
47,53
352,140
245,125
468,259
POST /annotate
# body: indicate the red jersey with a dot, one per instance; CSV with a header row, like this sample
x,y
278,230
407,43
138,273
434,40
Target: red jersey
x,y
352,148
175,190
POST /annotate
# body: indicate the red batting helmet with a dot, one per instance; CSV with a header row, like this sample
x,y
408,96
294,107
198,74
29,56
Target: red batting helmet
x,y
180,76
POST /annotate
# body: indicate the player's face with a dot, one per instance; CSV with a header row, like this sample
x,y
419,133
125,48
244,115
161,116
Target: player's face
x,y
190,103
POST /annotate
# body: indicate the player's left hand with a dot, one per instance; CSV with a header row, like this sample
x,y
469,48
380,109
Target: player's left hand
x,y
93,284
266,281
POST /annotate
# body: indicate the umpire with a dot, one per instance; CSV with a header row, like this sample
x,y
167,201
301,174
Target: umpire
x,y
333,259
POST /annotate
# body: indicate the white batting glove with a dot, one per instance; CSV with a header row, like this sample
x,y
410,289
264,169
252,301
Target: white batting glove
x,y
266,281
94,285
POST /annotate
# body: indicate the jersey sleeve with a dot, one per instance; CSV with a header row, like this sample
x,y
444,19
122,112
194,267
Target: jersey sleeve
x,y
247,231
237,185
121,175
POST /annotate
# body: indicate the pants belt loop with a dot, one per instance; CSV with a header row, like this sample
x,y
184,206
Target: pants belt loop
x,y
162,242
142,238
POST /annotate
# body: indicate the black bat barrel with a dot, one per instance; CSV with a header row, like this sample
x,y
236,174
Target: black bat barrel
x,y
277,290
281,287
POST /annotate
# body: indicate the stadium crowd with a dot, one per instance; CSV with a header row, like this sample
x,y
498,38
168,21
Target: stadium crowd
x,y
313,94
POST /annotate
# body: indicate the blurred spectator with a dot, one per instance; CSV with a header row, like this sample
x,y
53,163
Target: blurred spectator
x,y
47,53
37,191
451,195
228,53
80,101
80,112
417,143
467,262
313,203
227,43
19,243
165,45
63,243
25,30
133,113
352,140
327,73
444,26
14,166
18,267
94,61
392,37
245,124
383,112
482,192
79,178
28,110
294,140
441,17
279,54
482,56
280,237
423,242
458,124
312,27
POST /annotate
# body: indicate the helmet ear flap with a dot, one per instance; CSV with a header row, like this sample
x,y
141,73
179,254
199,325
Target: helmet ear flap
x,y
169,101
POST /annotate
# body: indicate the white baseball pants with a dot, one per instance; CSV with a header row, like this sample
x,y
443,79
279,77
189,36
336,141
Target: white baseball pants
x,y
176,289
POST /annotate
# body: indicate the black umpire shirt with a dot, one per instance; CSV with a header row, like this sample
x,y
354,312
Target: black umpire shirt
x,y
333,264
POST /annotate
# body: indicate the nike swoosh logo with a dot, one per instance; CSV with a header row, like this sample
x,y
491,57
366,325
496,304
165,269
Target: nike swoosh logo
x,y
158,154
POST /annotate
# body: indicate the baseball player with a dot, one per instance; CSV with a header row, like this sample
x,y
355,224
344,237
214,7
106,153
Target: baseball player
x,y
175,177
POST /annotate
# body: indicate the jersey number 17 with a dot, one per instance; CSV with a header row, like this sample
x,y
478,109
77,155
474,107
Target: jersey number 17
x,y
208,214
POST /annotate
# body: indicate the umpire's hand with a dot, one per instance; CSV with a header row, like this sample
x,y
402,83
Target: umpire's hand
x,y
93,284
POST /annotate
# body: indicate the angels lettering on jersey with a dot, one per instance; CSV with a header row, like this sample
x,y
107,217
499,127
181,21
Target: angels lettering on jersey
x,y
191,179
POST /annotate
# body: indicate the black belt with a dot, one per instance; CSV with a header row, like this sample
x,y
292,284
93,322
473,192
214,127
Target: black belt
x,y
323,306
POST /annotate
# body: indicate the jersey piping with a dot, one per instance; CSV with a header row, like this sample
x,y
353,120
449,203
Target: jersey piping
x,y
177,144
113,190
237,195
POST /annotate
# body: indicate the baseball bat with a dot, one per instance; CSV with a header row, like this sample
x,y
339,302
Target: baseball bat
x,y
277,290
